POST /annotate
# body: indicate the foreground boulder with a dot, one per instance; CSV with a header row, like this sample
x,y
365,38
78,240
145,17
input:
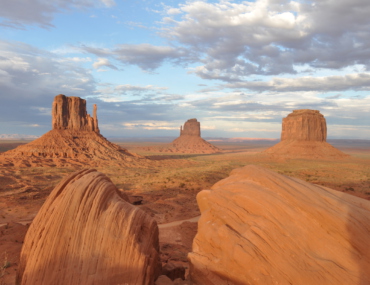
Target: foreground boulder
x,y
88,233
304,135
260,227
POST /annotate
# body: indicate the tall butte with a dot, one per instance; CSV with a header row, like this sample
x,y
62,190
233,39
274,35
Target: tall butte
x,y
69,113
304,135
74,140
190,141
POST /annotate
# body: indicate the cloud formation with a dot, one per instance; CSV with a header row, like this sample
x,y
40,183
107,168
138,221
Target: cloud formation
x,y
19,13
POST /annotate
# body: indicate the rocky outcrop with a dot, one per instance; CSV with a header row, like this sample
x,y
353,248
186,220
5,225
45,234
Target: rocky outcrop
x,y
87,233
303,135
69,113
260,227
74,140
191,128
304,125
189,141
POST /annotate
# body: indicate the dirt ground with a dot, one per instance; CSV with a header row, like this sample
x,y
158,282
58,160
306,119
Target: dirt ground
x,y
168,191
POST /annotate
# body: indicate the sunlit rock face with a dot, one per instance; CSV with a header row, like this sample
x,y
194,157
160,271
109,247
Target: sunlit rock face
x,y
75,140
191,128
304,125
303,135
87,233
190,141
260,227
69,113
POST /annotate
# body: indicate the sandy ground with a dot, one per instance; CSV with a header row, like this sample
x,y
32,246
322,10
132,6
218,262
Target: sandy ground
x,y
168,191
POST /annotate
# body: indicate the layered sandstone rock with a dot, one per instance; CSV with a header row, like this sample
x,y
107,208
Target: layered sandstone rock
x,y
69,113
191,128
87,233
304,125
259,227
74,140
189,141
304,135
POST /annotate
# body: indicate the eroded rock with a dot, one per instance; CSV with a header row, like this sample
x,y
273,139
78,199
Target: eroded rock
x,y
304,125
304,135
88,233
260,227
74,140
69,113
191,128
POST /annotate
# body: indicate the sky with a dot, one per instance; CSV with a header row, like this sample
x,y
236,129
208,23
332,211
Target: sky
x,y
239,67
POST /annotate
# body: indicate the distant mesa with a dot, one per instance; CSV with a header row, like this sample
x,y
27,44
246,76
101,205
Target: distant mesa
x,y
259,227
189,141
87,233
74,140
304,136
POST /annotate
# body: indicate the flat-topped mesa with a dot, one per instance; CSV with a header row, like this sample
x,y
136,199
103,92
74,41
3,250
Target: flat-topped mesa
x,y
70,113
191,128
304,125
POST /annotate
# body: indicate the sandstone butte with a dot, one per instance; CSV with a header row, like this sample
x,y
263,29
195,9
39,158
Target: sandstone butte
x,y
304,136
87,233
189,141
75,139
260,227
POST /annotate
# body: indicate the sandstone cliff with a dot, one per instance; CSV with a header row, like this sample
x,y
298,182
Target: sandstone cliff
x,y
304,125
69,113
87,233
74,140
191,128
259,227
303,135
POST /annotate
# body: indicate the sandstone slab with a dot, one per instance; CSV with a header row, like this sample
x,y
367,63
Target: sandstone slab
x,y
87,233
260,227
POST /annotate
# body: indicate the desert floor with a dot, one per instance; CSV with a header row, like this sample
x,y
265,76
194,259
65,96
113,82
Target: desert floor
x,y
168,191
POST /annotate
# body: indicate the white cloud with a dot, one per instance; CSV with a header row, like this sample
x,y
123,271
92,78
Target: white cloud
x,y
151,125
103,62
360,81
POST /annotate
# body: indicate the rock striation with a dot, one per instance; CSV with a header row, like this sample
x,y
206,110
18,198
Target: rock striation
x,y
304,135
260,227
75,140
69,113
87,233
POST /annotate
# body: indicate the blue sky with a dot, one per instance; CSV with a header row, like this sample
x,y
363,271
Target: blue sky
x,y
239,67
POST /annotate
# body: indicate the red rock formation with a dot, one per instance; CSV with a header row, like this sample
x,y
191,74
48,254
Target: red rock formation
x,y
304,125
304,136
259,227
69,113
87,233
191,128
189,141
74,140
